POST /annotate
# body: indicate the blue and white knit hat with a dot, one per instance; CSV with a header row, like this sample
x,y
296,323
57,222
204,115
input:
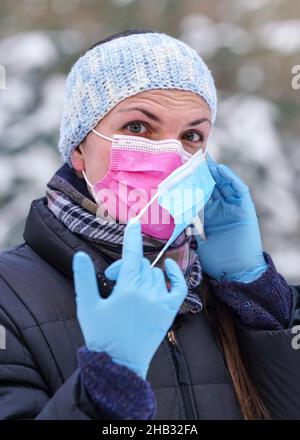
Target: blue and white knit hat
x,y
123,67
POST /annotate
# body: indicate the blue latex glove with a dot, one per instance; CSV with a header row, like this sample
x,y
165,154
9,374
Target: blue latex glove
x,y
233,245
132,322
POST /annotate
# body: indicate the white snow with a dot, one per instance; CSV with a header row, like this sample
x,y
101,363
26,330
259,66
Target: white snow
x,y
282,36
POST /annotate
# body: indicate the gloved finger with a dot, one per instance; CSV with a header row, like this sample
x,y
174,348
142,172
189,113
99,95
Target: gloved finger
x,y
225,187
132,251
208,203
112,271
178,284
85,280
146,270
159,279
228,183
216,194
199,241
236,183
213,168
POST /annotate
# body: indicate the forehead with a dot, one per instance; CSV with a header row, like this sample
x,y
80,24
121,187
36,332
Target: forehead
x,y
165,97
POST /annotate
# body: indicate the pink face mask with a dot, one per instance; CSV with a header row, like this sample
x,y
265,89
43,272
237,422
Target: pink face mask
x,y
137,166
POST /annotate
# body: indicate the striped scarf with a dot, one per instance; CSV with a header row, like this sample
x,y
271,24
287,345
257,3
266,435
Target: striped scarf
x,y
69,200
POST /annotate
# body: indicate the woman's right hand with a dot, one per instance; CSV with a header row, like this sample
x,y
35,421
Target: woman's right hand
x,y
132,322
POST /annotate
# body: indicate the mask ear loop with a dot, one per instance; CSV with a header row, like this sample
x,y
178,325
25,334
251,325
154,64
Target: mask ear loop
x,y
86,179
143,210
102,135
197,223
91,186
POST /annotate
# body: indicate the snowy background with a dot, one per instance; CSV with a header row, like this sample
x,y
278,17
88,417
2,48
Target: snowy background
x,y
251,47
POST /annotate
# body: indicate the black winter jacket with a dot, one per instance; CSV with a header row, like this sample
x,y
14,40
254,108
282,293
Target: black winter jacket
x,y
39,376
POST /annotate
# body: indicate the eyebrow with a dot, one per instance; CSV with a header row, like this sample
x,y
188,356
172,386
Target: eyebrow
x,y
157,119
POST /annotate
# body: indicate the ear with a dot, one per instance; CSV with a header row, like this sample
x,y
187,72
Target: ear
x,y
77,159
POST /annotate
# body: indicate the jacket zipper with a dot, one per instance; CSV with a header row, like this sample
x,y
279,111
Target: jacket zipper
x,y
182,375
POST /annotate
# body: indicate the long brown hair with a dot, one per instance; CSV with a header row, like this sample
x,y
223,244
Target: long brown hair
x,y
222,320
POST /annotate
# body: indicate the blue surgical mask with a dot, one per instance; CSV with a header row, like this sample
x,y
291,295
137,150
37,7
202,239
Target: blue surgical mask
x,y
184,194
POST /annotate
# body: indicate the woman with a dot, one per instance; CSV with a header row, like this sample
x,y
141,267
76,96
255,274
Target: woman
x,y
210,340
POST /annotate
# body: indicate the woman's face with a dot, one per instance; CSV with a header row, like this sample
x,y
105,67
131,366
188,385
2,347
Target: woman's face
x,y
154,114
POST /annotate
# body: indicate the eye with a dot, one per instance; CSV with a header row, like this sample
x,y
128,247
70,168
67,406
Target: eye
x,y
194,136
135,127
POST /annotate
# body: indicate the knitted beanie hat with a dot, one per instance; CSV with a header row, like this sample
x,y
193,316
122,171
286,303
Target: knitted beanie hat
x,y
123,67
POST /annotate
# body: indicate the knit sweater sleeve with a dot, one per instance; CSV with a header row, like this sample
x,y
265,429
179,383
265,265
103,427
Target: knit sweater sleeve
x,y
116,391
263,304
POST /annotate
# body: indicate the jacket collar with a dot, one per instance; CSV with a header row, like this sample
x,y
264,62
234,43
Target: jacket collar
x,y
53,242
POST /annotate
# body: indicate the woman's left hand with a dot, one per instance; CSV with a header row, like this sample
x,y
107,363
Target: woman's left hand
x,y
233,245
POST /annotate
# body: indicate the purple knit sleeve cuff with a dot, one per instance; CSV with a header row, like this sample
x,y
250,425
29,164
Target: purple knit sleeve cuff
x,y
263,304
117,392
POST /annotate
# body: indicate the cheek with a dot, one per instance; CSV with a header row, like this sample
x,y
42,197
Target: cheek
x,y
97,161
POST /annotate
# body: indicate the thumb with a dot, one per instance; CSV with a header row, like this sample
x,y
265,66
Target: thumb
x,y
85,281
112,271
